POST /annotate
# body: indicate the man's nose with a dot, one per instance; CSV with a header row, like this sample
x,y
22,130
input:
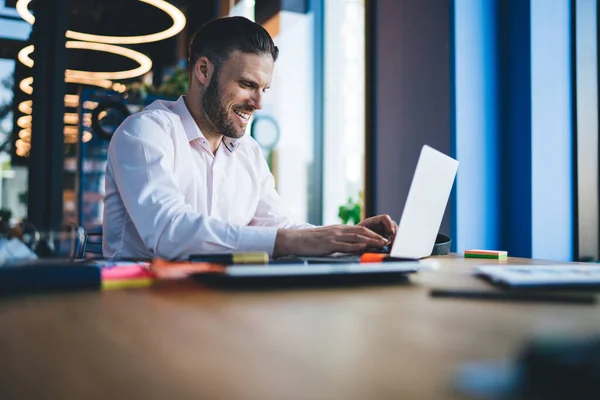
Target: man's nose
x,y
257,100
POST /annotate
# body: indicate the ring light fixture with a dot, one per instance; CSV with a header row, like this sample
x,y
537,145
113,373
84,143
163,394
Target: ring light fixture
x,y
25,85
90,105
24,122
71,100
71,130
71,118
145,63
24,56
25,133
178,19
142,59
25,106
103,83
23,146
85,41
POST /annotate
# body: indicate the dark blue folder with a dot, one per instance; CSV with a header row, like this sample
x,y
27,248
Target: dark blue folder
x,y
48,275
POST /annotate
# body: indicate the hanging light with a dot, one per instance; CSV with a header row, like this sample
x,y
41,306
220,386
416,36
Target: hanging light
x,y
145,63
24,121
178,23
71,100
25,106
142,59
25,85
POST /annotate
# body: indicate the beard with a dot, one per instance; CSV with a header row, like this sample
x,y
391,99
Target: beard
x,y
216,111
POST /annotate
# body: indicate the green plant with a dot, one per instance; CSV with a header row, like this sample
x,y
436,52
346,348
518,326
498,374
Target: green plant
x,y
350,212
174,85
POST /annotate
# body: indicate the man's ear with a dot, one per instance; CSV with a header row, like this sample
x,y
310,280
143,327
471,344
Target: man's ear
x,y
203,70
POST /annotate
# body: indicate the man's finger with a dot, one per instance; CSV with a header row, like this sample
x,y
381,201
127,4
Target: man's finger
x,y
348,247
361,230
388,224
357,238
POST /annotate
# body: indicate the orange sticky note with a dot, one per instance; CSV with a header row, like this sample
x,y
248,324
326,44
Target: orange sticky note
x,y
164,269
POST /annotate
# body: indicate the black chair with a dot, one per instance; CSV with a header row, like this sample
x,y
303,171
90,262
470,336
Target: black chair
x,y
91,246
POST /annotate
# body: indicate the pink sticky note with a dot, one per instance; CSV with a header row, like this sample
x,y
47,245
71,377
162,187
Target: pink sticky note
x,y
126,272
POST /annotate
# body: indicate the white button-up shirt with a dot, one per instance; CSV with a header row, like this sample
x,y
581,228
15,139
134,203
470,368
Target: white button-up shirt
x,y
167,195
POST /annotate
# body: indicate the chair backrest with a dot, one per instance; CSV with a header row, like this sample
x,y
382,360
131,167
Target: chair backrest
x,y
91,246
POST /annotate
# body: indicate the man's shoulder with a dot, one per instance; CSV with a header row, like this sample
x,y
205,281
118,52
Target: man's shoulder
x,y
249,145
159,110
154,117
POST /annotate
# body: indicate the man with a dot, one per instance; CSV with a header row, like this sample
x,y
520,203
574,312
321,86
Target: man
x,y
182,179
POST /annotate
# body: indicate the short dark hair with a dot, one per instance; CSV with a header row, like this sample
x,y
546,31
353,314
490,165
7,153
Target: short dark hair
x,y
219,37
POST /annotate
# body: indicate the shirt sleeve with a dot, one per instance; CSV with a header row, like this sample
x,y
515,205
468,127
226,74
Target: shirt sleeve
x,y
271,210
141,158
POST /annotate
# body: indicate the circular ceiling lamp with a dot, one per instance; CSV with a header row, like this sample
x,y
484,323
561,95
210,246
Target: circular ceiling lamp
x,y
85,41
145,63
24,56
71,100
103,83
178,19
143,60
25,107
24,122
25,84
25,134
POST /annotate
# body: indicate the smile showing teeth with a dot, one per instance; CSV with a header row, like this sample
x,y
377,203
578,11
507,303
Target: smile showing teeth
x,y
243,115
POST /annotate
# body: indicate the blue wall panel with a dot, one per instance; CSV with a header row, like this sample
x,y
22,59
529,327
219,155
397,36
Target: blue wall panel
x,y
551,130
476,126
513,127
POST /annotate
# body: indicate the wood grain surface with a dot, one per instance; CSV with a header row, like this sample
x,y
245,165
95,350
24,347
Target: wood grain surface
x,y
193,342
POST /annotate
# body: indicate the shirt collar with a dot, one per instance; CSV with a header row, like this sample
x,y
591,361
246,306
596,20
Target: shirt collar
x,y
191,128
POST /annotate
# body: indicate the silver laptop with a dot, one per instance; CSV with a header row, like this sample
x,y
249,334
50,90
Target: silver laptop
x,y
424,209
425,205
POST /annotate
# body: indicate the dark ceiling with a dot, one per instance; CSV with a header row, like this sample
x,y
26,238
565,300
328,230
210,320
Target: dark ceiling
x,y
126,18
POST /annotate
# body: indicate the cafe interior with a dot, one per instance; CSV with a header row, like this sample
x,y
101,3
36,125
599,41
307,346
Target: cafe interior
x,y
503,307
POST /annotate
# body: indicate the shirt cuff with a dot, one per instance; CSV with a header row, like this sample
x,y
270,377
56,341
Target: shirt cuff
x,y
257,238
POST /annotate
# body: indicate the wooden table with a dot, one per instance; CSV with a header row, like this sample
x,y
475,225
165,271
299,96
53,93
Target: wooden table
x,y
191,342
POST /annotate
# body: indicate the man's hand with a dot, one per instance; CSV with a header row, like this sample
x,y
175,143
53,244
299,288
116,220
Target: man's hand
x,y
326,240
381,224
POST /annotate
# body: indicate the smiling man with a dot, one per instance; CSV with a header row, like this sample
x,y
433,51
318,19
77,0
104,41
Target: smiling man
x,y
183,179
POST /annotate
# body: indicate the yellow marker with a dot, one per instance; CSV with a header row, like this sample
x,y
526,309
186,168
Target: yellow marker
x,y
259,257
126,283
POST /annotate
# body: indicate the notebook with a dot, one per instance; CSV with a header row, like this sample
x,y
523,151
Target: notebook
x,y
559,275
336,274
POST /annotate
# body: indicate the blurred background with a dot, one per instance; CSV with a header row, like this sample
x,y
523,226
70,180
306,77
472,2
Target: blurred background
x,y
508,87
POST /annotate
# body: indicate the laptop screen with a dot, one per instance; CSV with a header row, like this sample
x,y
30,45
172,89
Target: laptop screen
x,y
425,205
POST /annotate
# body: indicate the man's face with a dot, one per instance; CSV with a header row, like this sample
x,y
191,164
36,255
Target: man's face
x,y
235,91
